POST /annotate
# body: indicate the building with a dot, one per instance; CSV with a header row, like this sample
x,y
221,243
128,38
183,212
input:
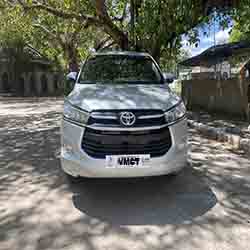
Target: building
x,y
219,80
29,75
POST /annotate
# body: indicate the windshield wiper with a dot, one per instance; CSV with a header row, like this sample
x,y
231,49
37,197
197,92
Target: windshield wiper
x,y
87,82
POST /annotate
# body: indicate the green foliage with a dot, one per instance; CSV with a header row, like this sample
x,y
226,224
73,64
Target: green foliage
x,y
241,28
15,27
14,33
237,34
161,23
158,24
56,38
65,30
60,39
171,57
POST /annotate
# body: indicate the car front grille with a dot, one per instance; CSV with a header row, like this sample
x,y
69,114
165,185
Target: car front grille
x,y
98,143
110,119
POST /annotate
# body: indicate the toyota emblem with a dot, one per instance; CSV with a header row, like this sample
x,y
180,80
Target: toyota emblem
x,y
127,118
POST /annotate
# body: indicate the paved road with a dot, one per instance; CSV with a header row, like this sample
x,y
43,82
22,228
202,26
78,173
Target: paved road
x,y
206,207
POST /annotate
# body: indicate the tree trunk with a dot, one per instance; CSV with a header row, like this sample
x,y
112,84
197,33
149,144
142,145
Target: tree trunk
x,y
72,57
132,23
156,51
109,26
157,55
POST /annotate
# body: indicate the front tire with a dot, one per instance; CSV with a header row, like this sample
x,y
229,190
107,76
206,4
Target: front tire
x,y
72,179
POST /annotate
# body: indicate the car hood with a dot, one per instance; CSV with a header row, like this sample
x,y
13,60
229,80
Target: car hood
x,y
109,97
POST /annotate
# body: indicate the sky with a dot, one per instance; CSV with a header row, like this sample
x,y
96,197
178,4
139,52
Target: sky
x,y
206,41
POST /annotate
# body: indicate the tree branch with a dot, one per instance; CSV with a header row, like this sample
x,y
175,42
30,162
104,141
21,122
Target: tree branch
x,y
108,25
59,13
76,33
53,37
122,18
102,44
102,18
107,46
49,32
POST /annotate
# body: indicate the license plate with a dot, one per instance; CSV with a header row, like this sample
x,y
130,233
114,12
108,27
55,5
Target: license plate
x,y
127,161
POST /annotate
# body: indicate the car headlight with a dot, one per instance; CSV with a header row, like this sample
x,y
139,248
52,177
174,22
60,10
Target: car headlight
x,y
75,114
176,113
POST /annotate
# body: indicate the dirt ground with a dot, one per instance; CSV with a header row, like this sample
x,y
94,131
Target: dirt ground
x,y
206,207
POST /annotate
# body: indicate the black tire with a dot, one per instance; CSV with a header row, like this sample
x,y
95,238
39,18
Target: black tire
x,y
175,174
73,179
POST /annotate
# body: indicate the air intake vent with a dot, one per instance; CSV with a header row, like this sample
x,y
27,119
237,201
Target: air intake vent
x,y
98,144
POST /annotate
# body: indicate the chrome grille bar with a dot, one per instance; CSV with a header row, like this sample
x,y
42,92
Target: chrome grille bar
x,y
150,116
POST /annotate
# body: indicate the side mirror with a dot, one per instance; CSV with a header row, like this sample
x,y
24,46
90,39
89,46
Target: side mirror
x,y
169,80
168,77
72,76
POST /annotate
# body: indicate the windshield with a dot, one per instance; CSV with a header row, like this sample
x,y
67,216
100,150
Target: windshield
x,y
120,69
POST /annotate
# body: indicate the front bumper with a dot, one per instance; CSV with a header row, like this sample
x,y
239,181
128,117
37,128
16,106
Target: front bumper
x,y
76,162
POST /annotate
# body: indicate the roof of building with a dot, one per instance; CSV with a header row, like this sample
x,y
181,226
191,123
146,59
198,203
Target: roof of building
x,y
216,54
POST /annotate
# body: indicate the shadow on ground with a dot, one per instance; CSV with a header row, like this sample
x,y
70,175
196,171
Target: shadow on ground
x,y
149,201
207,203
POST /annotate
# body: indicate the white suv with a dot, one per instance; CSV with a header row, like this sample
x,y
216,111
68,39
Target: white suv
x,y
122,120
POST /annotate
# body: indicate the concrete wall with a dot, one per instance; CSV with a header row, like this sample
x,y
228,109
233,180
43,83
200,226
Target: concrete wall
x,y
228,96
32,83
3,72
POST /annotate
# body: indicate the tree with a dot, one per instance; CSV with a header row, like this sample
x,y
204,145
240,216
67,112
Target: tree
x,y
238,34
15,30
64,41
169,61
15,27
241,27
149,25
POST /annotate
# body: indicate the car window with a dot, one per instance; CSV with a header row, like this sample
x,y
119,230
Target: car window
x,y
120,69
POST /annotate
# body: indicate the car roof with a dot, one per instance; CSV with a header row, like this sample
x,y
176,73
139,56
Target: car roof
x,y
121,53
